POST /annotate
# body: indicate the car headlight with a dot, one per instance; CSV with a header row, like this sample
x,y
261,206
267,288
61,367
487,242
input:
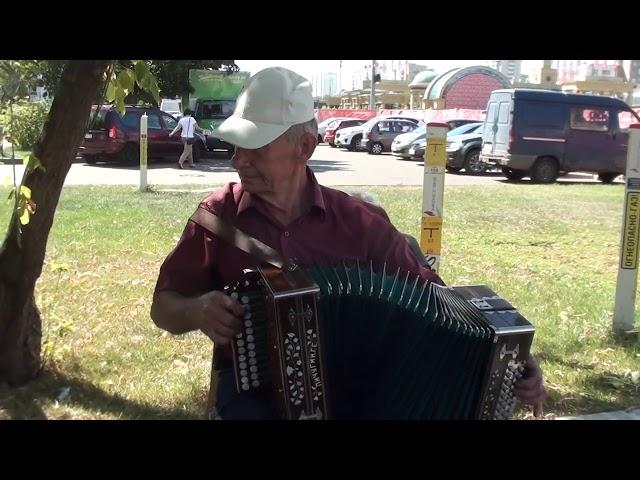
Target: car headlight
x,y
454,146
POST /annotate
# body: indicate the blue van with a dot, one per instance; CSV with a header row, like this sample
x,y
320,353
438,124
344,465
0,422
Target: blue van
x,y
542,133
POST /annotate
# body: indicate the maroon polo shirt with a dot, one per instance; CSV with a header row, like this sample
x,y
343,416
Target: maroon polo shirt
x,y
336,227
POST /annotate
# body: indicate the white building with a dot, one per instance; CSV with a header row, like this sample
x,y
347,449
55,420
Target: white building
x,y
576,70
511,69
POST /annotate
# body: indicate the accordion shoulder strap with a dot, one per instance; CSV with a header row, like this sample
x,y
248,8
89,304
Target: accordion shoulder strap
x,y
237,238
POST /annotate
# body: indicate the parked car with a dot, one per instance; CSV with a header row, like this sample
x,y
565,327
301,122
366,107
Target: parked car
x,y
379,136
350,137
463,150
112,137
333,127
458,123
322,126
460,141
416,150
540,133
402,143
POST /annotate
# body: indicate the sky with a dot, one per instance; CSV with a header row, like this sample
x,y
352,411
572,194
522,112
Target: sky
x,y
310,68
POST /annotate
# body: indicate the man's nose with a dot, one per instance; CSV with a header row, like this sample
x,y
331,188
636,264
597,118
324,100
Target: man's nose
x,y
240,158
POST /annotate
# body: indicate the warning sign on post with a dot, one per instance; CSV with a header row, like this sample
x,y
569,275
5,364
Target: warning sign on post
x,y
629,257
435,154
431,238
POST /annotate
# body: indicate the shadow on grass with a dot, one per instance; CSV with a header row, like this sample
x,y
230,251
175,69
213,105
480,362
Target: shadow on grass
x,y
597,392
23,403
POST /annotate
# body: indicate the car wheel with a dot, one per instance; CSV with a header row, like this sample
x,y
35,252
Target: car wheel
x,y
332,145
354,143
131,154
472,163
196,152
453,169
512,174
319,139
90,159
545,170
607,177
376,148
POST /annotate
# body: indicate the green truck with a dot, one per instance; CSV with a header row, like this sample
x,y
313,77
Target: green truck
x,y
214,99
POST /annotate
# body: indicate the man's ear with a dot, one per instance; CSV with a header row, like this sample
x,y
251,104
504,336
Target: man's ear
x,y
307,145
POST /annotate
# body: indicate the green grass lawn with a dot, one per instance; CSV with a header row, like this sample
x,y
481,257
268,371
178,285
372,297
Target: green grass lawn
x,y
551,250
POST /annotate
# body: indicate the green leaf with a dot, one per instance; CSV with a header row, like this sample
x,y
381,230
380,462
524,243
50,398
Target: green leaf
x,y
25,191
60,267
120,105
33,163
142,71
126,79
25,217
111,92
12,192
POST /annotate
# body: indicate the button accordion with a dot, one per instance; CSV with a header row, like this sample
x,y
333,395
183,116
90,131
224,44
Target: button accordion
x,y
346,342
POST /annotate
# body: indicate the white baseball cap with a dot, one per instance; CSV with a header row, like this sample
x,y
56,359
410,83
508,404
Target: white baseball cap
x,y
272,100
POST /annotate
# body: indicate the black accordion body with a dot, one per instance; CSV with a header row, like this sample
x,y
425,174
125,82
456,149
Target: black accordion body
x,y
345,342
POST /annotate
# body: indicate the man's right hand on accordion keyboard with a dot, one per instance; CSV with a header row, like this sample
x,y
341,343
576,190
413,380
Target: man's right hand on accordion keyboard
x,y
530,388
218,316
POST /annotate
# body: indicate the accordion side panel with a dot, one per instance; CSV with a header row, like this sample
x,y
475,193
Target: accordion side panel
x,y
507,360
294,345
511,344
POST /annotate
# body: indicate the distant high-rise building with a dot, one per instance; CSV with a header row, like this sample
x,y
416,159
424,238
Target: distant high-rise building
x,y
509,68
329,84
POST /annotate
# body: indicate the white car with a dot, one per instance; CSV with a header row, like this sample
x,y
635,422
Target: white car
x,y
402,143
349,137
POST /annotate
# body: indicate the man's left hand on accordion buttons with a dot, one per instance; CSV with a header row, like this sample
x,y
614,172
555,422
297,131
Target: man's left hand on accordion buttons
x,y
530,388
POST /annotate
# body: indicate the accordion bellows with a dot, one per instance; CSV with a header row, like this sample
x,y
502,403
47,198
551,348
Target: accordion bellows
x,y
346,342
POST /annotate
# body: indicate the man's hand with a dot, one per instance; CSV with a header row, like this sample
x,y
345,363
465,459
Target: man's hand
x,y
530,388
218,316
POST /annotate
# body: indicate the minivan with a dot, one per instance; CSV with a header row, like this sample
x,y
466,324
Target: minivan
x,y
541,133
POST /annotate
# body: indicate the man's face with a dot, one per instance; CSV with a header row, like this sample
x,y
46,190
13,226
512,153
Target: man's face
x,y
268,169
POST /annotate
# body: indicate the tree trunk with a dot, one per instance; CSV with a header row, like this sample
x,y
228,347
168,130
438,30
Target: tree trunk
x,y
22,254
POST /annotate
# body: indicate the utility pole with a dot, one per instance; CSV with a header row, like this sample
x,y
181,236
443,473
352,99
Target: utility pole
x,y
372,97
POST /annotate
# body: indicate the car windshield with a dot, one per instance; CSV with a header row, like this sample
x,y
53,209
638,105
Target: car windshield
x,y
97,121
462,129
420,130
171,105
216,109
326,122
370,123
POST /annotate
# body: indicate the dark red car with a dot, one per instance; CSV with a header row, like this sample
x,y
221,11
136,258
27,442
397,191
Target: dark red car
x,y
112,137
330,132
